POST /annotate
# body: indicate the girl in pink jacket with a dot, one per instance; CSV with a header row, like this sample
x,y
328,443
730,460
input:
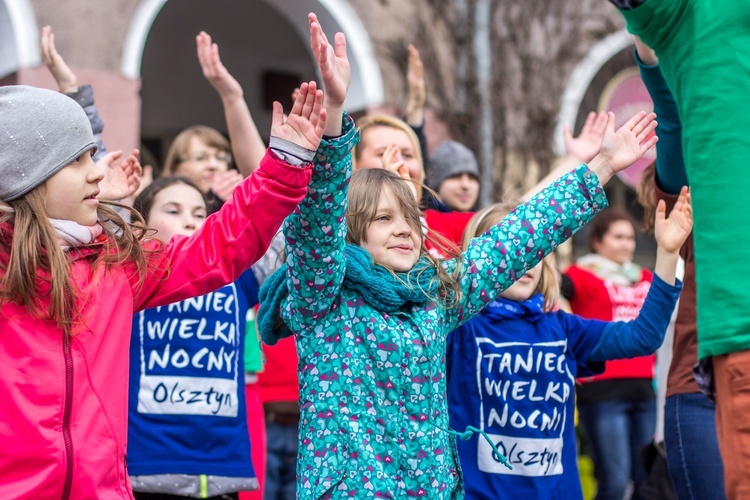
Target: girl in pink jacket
x,y
73,272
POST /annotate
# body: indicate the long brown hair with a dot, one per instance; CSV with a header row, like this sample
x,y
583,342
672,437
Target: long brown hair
x,y
365,188
34,268
491,216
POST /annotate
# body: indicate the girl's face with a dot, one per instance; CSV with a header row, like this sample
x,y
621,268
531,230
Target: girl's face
x,y
202,163
377,138
525,287
391,241
618,243
177,209
72,191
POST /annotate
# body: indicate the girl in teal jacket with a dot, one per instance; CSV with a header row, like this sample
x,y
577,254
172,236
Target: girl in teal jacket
x,y
371,310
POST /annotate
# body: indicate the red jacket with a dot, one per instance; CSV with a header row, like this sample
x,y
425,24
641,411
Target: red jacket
x,y
63,416
595,298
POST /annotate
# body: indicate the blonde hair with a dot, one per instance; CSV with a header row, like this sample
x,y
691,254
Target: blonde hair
x,y
365,189
383,120
491,216
181,145
35,269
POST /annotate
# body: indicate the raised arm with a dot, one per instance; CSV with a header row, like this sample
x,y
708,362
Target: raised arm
x,y
416,97
645,334
232,239
580,149
247,146
498,258
670,163
334,69
67,83
315,232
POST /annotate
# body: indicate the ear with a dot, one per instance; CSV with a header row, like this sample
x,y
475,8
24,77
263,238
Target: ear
x,y
596,245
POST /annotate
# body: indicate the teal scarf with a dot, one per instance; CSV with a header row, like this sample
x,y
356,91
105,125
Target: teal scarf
x,y
377,286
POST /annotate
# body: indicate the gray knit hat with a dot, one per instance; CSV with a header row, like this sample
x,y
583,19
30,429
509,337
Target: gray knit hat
x,y
41,131
450,158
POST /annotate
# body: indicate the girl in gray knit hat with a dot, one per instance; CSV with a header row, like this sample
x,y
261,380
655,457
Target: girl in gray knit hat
x,y
73,272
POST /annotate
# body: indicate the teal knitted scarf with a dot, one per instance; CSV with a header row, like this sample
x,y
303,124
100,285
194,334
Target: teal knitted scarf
x,y
377,286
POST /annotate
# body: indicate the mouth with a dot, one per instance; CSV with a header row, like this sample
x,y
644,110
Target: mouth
x,y
402,248
92,196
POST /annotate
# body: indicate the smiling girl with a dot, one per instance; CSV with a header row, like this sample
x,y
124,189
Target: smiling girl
x,y
370,309
73,272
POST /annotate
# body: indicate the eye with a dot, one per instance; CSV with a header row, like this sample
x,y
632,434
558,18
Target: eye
x,y
407,155
200,215
381,217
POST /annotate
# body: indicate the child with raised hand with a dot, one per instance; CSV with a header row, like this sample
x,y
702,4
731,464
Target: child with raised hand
x,y
512,368
371,310
122,177
186,373
72,273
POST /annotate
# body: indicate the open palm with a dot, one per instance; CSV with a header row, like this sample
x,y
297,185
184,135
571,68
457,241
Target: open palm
x,y
306,121
587,144
213,69
671,232
623,147
332,62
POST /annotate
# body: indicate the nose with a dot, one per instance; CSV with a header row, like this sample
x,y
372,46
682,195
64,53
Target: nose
x,y
402,228
211,164
96,173
190,223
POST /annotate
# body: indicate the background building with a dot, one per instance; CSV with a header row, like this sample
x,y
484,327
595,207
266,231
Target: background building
x,y
503,76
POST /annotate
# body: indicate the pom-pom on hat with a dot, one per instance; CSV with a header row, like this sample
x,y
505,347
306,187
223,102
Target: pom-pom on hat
x,y
41,131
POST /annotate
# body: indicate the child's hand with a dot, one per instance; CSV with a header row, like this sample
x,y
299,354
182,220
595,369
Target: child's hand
x,y
416,88
332,62
214,71
122,178
672,232
306,121
66,80
335,71
623,147
397,166
223,184
584,147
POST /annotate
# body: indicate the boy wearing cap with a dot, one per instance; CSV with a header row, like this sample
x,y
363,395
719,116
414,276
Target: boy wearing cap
x,y
454,176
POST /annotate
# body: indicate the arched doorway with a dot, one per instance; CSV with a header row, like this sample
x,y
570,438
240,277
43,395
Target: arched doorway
x,y
262,42
605,63
19,38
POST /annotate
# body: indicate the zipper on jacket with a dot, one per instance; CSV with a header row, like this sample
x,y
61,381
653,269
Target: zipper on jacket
x,y
66,416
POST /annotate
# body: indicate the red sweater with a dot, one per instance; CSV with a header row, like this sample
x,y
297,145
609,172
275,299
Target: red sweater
x,y
278,381
596,298
448,224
